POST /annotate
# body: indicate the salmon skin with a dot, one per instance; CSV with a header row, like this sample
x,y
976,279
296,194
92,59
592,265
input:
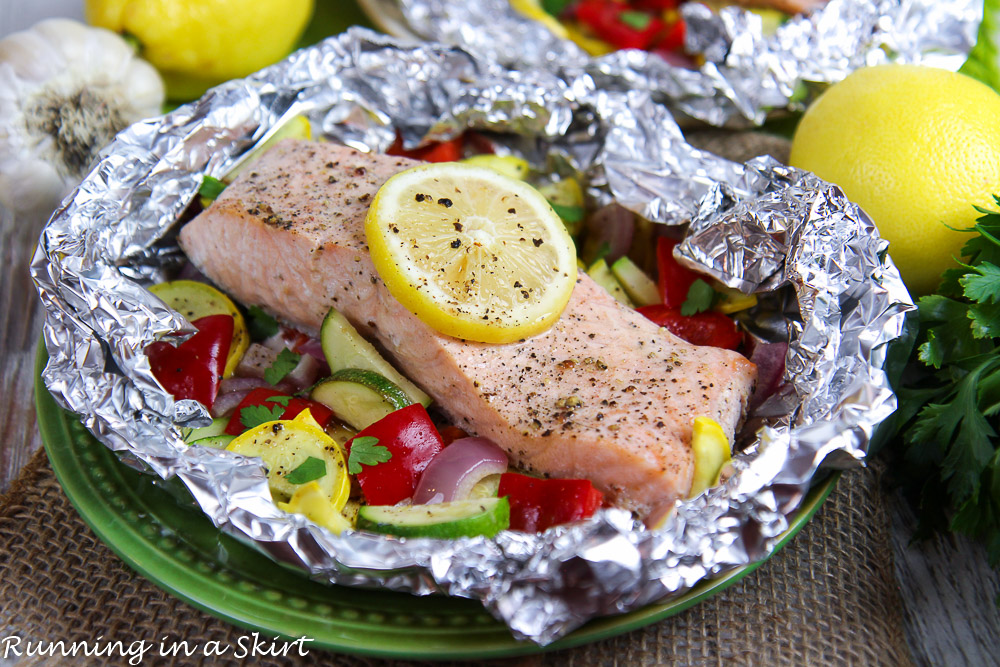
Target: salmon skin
x,y
604,394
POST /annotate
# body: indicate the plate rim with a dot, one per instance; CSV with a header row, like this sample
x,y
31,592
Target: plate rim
x,y
53,423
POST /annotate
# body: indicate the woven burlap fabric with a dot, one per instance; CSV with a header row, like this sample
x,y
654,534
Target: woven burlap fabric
x,y
828,598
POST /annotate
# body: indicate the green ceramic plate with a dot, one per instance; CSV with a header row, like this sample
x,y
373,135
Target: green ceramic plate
x,y
179,549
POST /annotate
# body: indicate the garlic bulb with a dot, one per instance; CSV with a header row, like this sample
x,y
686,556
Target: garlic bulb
x,y
66,89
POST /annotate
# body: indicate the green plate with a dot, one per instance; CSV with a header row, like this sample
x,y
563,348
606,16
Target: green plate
x,y
179,549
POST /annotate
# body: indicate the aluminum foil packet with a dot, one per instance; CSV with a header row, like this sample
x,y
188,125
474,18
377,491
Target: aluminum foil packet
x,y
746,72
762,227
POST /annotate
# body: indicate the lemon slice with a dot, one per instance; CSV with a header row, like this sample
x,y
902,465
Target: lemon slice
x,y
471,252
195,300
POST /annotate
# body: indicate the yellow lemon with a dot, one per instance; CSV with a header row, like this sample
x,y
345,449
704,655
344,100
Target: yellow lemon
x,y
916,148
197,44
473,253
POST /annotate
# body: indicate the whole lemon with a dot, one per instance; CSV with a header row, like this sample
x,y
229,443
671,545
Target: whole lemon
x,y
916,148
196,44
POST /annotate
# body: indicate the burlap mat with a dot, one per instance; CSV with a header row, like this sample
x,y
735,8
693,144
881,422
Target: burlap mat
x,y
828,598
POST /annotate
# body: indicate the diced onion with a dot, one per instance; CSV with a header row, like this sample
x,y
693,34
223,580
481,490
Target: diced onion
x,y
457,468
770,361
613,227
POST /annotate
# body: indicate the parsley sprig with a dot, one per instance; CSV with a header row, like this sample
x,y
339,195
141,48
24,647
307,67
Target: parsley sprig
x,y
366,451
949,400
284,364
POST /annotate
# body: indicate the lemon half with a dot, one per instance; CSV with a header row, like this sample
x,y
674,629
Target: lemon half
x,y
473,253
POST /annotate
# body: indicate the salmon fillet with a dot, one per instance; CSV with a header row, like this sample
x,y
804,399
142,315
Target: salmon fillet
x,y
604,394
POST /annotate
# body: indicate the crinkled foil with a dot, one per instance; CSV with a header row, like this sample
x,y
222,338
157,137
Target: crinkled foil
x,y
746,72
759,226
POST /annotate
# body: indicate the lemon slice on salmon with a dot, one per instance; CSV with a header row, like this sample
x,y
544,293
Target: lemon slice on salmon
x,y
473,253
195,300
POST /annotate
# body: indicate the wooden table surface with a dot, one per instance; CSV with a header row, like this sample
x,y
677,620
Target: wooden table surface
x,y
949,592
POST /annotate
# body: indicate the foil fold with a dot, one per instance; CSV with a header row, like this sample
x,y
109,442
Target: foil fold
x,y
746,72
762,227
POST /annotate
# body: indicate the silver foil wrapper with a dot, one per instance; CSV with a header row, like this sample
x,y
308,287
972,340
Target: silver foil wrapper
x,y
746,72
761,227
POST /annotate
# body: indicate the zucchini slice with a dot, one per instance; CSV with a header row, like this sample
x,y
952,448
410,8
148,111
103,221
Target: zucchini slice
x,y
602,275
458,518
344,347
359,397
640,288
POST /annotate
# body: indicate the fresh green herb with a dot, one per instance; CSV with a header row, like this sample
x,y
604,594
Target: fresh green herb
x,y
569,214
366,451
602,251
280,400
556,7
255,415
637,20
984,58
260,325
700,298
949,398
211,187
282,366
312,468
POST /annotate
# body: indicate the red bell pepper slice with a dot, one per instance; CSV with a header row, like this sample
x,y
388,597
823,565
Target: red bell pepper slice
x,y
604,18
672,39
537,504
194,368
412,441
705,328
281,409
674,280
444,151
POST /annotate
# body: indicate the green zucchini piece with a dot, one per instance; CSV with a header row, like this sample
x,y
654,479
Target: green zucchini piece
x,y
217,427
458,518
214,441
640,288
296,127
359,397
344,347
602,275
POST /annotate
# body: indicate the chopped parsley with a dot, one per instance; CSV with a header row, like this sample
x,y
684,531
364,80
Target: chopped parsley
x,y
260,325
556,7
949,397
366,451
211,187
280,400
282,366
312,468
255,415
700,298
570,214
637,20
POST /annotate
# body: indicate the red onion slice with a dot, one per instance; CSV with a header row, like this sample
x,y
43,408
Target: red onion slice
x,y
226,403
770,361
240,384
613,225
305,373
313,348
457,468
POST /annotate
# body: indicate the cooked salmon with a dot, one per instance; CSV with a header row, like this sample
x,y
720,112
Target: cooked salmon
x,y
604,394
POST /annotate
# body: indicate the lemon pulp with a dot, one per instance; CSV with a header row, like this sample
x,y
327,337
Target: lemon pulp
x,y
473,253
